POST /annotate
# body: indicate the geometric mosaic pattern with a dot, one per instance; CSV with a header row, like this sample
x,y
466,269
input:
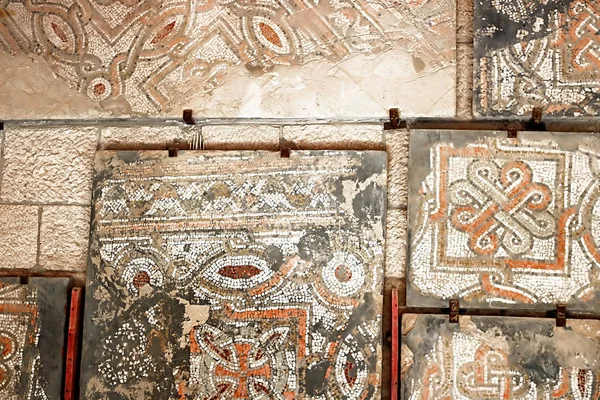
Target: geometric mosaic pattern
x,y
499,358
235,275
499,222
537,53
139,56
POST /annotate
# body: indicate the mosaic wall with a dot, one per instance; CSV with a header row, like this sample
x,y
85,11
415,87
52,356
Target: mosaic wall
x,y
537,53
503,222
230,275
32,323
499,358
151,57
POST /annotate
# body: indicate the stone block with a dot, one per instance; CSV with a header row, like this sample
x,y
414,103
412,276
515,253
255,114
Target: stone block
x,y
397,146
395,244
145,137
240,137
339,137
464,81
48,165
64,238
18,236
464,21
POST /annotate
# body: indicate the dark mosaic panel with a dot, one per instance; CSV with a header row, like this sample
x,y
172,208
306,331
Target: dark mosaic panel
x,y
32,324
543,53
499,358
504,223
235,275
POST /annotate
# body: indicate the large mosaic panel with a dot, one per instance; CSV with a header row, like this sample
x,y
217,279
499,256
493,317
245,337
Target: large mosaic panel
x,y
499,222
228,58
235,275
32,323
542,53
499,358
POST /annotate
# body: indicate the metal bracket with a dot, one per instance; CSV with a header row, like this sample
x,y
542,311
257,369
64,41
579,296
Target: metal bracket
x,y
188,117
173,151
561,315
454,307
512,133
395,122
284,152
535,123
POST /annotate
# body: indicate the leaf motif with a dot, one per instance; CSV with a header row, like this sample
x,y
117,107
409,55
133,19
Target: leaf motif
x,y
163,33
270,34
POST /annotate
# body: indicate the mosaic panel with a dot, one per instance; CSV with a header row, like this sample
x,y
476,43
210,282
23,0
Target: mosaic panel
x,y
537,53
499,358
234,275
241,58
500,222
32,323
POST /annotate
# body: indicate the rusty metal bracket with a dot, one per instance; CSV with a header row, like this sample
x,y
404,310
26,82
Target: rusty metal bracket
x,y
395,122
561,315
188,117
512,133
454,308
173,151
535,123
284,152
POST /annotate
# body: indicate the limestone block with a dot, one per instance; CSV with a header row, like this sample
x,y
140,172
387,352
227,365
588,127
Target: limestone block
x,y
396,143
240,137
64,237
18,236
395,244
347,136
144,137
46,165
464,81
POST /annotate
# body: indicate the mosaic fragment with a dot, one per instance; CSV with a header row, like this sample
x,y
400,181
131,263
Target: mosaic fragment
x,y
499,222
537,53
32,323
266,58
500,358
235,275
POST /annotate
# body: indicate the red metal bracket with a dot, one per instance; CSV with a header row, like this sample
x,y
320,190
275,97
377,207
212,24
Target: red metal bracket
x,y
395,345
73,341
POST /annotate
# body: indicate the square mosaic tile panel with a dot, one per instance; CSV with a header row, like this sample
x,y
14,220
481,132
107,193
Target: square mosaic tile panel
x,y
32,323
312,58
499,358
235,275
537,53
504,223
